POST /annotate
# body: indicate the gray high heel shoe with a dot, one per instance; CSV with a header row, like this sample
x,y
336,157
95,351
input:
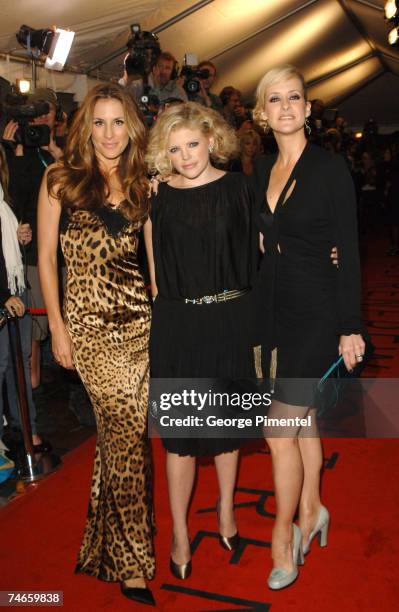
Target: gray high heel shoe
x,y
320,529
280,578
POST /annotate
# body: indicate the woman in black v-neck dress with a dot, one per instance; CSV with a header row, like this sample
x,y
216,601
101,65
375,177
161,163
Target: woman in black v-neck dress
x,y
306,206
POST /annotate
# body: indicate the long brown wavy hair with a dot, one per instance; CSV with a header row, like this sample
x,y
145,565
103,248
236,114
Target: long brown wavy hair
x,y
77,181
4,176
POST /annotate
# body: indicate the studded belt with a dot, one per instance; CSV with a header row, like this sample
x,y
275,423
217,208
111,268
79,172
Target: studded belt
x,y
217,298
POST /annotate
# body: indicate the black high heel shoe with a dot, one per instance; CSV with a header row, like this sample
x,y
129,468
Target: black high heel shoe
x,y
182,571
227,542
141,595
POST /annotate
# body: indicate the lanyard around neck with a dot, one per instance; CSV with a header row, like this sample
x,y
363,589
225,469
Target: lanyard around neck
x,y
45,164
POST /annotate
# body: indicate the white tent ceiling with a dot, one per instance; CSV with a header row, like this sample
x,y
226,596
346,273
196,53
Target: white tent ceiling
x,y
340,45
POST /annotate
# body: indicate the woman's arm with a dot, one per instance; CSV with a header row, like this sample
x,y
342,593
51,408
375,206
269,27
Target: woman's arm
x,y
344,221
49,212
150,256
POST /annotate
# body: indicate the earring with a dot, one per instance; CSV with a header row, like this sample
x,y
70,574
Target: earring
x,y
210,148
307,126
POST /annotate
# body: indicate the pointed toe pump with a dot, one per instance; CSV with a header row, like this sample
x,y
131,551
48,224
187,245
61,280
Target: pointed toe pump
x,y
182,571
227,542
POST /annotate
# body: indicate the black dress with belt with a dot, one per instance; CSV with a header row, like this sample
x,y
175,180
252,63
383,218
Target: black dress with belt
x,y
308,302
205,241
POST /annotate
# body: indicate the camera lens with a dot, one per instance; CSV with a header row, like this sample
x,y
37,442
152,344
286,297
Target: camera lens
x,y
32,133
192,86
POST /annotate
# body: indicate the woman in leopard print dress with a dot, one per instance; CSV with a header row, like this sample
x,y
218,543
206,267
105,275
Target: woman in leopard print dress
x,y
96,199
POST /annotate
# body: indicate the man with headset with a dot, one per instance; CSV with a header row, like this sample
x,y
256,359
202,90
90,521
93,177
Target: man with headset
x,y
163,79
27,166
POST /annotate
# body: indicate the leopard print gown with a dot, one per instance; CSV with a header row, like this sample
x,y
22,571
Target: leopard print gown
x,y
107,314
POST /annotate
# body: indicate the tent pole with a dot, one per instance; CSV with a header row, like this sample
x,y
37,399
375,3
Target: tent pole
x,y
338,100
333,73
265,28
34,74
371,5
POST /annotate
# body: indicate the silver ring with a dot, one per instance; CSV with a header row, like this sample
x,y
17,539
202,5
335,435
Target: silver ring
x,y
359,357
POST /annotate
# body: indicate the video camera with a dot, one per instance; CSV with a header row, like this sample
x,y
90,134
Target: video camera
x,y
144,49
191,74
28,134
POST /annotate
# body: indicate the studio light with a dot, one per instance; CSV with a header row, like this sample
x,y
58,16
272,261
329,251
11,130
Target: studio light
x,y
391,9
60,48
393,36
54,43
35,41
24,86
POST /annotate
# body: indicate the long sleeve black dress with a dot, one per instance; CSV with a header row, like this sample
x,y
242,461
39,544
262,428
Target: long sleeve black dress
x,y
307,302
205,241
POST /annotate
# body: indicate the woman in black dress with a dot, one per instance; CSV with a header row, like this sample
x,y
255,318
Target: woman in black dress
x,y
307,204
204,245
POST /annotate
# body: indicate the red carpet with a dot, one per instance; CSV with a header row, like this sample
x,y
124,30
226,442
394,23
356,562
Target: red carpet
x,y
40,534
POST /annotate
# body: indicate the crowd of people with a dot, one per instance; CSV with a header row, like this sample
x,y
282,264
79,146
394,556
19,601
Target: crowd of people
x,y
373,159
242,277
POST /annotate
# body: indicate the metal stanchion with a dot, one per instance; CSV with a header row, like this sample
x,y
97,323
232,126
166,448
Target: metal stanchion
x,y
32,466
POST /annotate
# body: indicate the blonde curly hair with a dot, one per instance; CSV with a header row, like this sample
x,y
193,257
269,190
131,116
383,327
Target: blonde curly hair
x,y
273,76
193,116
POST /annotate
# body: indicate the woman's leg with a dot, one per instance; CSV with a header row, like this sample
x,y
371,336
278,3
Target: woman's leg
x,y
288,478
288,474
4,354
226,469
180,471
35,362
312,459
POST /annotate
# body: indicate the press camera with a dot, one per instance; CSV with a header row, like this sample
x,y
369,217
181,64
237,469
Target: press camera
x,y
28,134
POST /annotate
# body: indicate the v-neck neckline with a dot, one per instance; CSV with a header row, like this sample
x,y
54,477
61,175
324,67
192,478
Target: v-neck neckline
x,y
283,193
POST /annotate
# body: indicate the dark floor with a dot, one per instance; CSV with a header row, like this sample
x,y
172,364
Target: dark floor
x,y
64,418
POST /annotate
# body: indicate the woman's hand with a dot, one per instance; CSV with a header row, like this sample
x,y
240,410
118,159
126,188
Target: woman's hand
x,y
52,148
62,348
352,350
154,183
24,233
9,135
261,243
334,256
15,306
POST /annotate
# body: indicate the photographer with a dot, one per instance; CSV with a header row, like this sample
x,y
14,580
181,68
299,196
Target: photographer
x,y
231,101
163,81
205,96
27,164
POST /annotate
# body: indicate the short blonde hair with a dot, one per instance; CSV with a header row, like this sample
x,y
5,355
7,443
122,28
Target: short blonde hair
x,y
193,116
273,76
250,136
